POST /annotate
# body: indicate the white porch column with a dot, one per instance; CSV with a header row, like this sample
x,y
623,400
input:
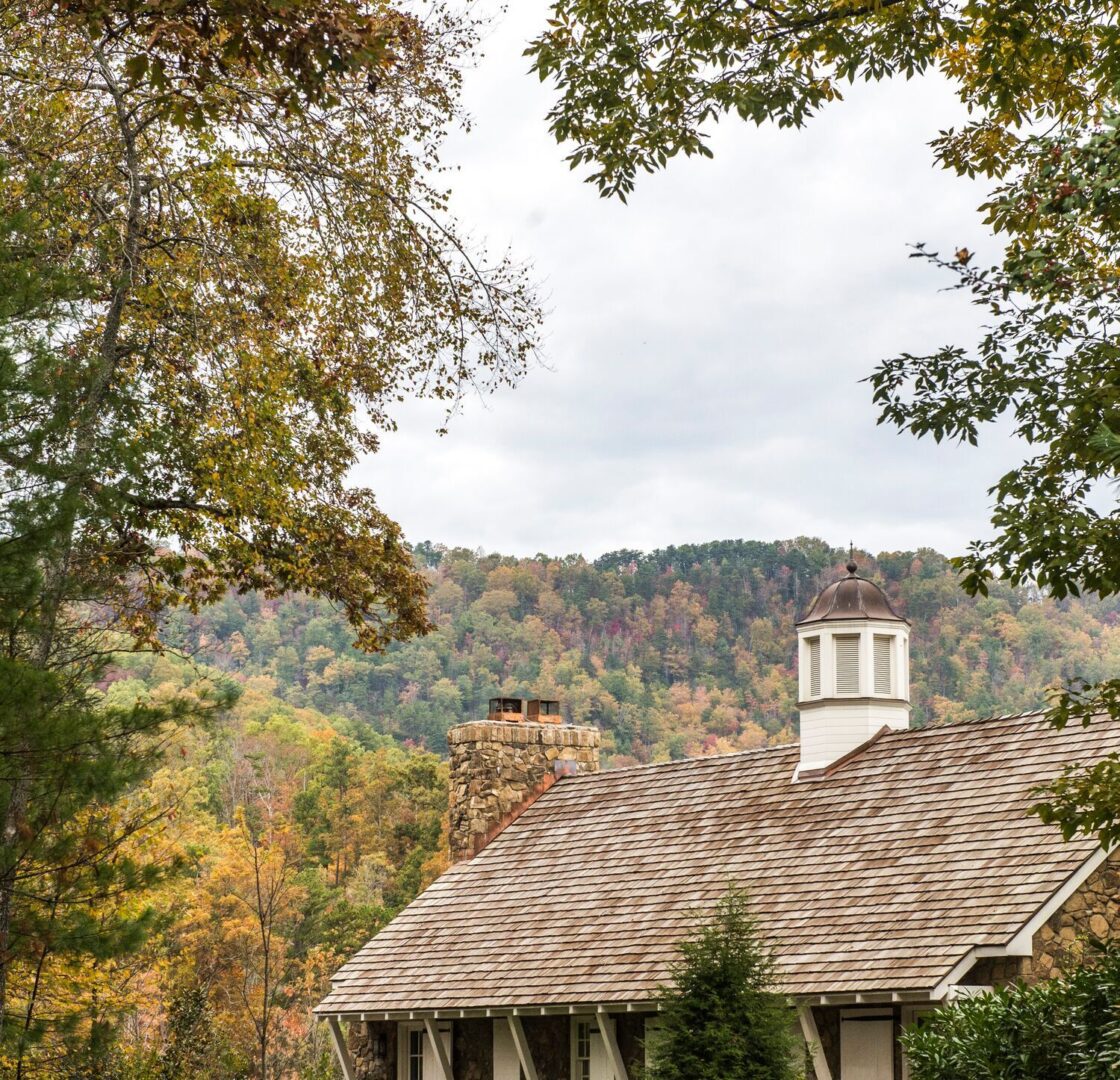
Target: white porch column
x,y
341,1049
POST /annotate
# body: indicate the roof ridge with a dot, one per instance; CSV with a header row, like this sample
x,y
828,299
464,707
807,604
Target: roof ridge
x,y
971,721
713,758
698,760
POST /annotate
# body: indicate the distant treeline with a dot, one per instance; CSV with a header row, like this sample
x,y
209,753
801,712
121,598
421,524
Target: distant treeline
x,y
676,652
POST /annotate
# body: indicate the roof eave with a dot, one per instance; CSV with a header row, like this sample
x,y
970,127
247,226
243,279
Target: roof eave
x,y
574,1009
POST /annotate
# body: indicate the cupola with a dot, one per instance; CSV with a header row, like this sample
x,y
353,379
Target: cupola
x,y
854,670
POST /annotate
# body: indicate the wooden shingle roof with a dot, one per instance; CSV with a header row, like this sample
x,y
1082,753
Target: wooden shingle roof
x,y
881,876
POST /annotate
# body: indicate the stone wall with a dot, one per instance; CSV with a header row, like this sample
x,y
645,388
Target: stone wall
x,y
1092,911
630,1030
364,1050
549,1039
497,767
827,1019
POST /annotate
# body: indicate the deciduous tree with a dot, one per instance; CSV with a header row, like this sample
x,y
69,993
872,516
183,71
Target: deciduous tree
x,y
225,255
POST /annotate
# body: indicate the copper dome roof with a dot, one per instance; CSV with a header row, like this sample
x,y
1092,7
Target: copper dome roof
x,y
852,597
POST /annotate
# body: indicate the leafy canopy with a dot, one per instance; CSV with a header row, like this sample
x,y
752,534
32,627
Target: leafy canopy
x,y
243,306
225,257
640,83
1063,1029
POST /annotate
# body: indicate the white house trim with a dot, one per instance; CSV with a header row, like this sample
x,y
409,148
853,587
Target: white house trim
x,y
521,1045
584,1009
813,1042
610,1042
342,1051
1022,944
439,1051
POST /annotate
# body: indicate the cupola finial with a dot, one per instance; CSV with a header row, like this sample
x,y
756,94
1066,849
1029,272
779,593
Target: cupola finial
x,y
851,568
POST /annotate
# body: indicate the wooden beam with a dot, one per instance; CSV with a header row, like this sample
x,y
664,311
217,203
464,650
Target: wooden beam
x,y
813,1041
341,1049
521,1045
438,1049
614,1055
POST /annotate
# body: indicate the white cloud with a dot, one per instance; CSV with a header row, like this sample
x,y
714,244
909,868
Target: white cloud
x,y
706,341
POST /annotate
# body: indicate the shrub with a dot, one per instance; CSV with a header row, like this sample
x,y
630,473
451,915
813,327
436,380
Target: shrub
x,y
1065,1029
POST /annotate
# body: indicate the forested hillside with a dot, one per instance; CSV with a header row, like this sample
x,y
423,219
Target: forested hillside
x,y
289,828
682,651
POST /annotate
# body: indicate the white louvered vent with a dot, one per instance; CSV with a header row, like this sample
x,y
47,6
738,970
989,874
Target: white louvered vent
x,y
847,664
814,646
883,665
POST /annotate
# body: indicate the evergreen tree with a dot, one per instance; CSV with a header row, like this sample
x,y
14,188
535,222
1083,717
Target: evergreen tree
x,y
721,1019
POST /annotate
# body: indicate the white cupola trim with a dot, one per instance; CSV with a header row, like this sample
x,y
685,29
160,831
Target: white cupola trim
x,y
853,671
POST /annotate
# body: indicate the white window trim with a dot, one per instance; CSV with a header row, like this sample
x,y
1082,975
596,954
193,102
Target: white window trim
x,y
573,1032
404,1030
404,1048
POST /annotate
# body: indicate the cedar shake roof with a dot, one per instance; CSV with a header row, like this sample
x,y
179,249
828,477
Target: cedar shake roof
x,y
880,877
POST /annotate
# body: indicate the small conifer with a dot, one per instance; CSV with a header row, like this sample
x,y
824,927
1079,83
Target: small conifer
x,y
721,1019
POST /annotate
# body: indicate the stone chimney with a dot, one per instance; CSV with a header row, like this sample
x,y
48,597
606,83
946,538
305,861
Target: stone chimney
x,y
501,764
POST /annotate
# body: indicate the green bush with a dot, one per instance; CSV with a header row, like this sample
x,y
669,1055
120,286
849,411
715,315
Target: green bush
x,y
1065,1029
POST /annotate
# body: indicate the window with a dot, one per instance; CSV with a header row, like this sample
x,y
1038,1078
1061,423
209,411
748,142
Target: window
x,y
581,1051
847,664
415,1054
883,665
813,651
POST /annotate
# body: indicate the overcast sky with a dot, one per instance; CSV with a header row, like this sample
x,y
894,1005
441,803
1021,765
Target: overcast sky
x,y
704,342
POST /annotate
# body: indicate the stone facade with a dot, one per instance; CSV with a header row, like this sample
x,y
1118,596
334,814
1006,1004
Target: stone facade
x,y
498,767
365,1042
549,1039
630,1030
1091,912
472,1045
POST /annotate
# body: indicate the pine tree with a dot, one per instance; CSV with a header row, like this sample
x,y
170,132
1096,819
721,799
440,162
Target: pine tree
x,y
721,1019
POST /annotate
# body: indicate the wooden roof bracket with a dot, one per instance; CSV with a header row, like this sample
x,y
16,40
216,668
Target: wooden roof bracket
x,y
813,1042
341,1049
443,1062
521,1045
610,1042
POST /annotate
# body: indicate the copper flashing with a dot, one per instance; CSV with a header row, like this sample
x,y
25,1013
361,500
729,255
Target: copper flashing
x,y
852,597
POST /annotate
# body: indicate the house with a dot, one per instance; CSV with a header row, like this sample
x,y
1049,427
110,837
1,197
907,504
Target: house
x,y
891,870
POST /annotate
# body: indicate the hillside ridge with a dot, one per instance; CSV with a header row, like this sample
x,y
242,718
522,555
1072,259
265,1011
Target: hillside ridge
x,y
678,652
